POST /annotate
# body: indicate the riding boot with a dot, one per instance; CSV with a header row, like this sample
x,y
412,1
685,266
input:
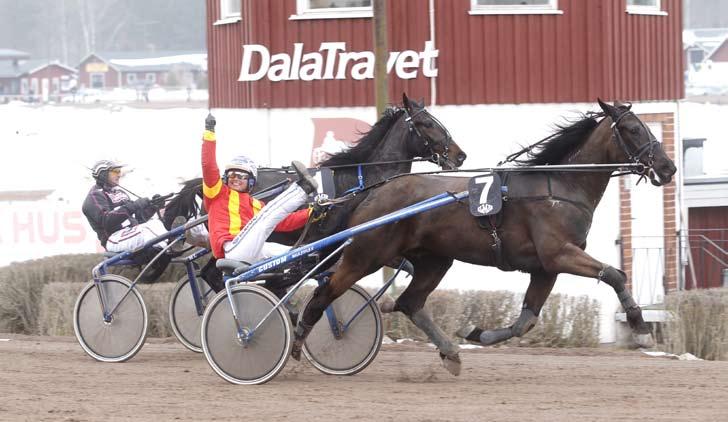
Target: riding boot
x,y
305,181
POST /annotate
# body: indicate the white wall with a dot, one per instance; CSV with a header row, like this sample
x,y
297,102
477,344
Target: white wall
x,y
48,147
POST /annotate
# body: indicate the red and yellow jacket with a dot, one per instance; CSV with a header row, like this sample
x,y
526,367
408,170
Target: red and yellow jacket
x,y
229,211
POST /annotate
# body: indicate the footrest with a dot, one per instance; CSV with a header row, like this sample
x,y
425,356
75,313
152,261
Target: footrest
x,y
230,266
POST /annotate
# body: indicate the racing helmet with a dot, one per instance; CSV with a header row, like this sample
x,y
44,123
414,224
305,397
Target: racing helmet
x,y
101,168
243,163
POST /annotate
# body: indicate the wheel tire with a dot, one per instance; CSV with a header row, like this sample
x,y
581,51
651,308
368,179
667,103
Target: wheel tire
x,y
357,347
121,338
183,315
266,354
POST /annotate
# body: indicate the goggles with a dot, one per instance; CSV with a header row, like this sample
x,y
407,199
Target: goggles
x,y
237,175
115,170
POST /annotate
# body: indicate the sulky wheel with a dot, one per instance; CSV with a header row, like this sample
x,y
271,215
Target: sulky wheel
x,y
258,360
183,316
357,346
121,337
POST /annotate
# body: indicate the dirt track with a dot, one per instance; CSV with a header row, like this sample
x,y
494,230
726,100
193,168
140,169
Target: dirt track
x,y
44,378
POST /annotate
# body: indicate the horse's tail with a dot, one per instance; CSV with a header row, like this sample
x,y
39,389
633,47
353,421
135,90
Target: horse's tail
x,y
186,203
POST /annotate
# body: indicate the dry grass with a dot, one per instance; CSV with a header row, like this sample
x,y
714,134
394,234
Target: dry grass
x,y
22,284
564,321
698,323
37,297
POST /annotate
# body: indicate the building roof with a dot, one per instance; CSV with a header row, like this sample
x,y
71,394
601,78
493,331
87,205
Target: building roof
x,y
10,54
9,70
707,39
152,61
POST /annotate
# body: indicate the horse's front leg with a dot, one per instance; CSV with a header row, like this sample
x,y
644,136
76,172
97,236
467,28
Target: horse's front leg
x,y
573,260
536,294
428,271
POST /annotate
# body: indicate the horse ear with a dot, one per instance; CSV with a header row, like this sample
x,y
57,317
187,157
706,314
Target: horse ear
x,y
609,110
406,102
422,102
621,105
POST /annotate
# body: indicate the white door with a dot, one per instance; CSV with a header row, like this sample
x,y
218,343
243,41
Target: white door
x,y
45,87
648,242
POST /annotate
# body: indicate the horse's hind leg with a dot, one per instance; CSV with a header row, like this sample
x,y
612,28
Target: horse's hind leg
x,y
573,260
429,270
536,294
349,271
386,303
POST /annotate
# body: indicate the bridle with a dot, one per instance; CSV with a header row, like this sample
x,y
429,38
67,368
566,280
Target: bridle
x,y
429,142
636,155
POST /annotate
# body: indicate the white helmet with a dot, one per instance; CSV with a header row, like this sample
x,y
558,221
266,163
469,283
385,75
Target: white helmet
x,y
243,163
101,168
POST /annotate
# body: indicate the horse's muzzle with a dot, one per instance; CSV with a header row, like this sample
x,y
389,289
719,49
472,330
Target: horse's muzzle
x,y
662,175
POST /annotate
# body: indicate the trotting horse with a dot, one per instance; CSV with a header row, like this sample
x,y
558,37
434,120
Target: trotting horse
x,y
543,231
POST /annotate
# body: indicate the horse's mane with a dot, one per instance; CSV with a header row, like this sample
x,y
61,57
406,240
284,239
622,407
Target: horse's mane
x,y
563,141
184,203
366,145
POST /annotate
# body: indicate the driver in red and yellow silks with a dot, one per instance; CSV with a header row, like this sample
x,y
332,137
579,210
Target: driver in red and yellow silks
x,y
238,223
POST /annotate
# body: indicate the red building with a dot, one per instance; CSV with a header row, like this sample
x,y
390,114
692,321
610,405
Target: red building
x,y
553,51
470,58
35,80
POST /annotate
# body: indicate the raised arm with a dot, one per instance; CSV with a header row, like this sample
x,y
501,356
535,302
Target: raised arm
x,y
211,182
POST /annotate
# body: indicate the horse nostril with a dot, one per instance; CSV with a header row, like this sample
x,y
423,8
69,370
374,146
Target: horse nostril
x,y
461,157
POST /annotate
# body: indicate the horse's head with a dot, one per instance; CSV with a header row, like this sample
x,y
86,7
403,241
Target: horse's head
x,y
186,203
637,143
436,141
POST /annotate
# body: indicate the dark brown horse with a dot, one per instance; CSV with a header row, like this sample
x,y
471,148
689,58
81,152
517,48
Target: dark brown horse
x,y
543,232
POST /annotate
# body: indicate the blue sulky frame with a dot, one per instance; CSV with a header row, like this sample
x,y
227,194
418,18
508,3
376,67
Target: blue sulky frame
x,y
245,334
124,258
176,235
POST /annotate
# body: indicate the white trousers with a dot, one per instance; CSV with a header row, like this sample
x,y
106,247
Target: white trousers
x,y
130,238
250,244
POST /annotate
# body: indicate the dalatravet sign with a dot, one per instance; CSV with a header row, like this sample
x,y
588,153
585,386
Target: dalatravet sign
x,y
332,61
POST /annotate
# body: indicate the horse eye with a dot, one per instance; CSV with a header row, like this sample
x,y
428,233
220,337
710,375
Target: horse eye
x,y
428,124
635,130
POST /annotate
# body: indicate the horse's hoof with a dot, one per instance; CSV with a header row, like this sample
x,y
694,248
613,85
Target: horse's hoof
x,y
296,351
386,304
451,363
643,340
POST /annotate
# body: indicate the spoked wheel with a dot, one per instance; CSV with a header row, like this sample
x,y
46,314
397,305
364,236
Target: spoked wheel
x,y
121,337
357,346
258,360
183,316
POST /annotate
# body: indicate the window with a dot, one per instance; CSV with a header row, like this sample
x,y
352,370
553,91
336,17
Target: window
x,y
151,78
333,9
55,86
645,7
131,78
514,7
24,86
229,12
97,80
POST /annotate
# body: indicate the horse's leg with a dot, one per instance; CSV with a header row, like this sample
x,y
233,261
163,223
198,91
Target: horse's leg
x,y
386,302
429,270
573,260
536,294
350,270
